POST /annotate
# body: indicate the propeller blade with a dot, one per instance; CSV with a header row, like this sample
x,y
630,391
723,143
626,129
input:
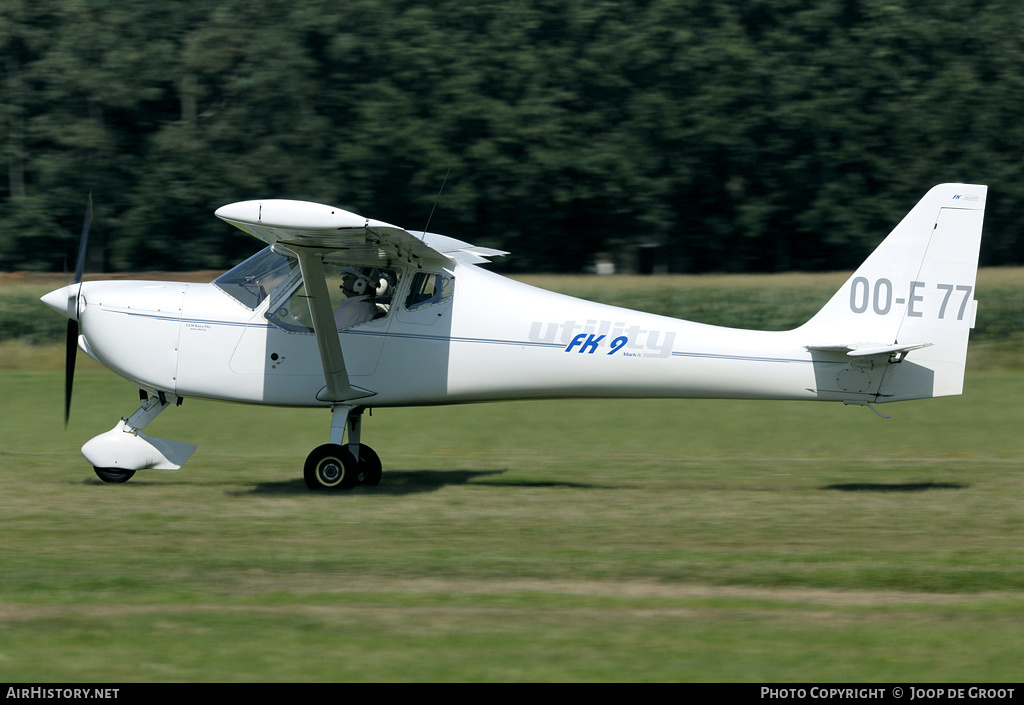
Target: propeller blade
x,y
70,353
71,343
83,242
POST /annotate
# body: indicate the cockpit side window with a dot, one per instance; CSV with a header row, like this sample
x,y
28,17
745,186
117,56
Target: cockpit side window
x,y
429,288
359,294
252,281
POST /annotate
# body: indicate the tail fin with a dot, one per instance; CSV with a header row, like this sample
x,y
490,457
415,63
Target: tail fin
x,y
912,301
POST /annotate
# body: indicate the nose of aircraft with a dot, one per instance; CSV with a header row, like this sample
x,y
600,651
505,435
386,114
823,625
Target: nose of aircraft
x,y
63,301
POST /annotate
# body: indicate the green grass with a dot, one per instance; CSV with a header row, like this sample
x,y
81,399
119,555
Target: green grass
x,y
637,540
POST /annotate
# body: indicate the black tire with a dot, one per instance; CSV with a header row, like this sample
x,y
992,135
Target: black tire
x,y
329,467
370,469
114,476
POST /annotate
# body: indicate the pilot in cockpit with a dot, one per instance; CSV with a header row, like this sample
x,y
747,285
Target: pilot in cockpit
x,y
360,305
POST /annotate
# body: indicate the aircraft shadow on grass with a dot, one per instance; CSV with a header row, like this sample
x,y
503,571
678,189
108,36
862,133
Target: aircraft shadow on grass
x,y
403,482
894,486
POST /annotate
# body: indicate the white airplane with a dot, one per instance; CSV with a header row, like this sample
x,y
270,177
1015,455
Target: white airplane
x,y
347,313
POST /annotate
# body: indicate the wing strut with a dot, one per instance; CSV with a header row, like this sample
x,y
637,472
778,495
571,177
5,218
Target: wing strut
x,y
338,388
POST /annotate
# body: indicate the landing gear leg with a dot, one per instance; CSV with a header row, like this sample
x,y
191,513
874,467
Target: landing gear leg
x,y
339,465
368,466
118,453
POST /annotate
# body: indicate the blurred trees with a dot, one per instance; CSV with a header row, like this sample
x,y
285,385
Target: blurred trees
x,y
742,135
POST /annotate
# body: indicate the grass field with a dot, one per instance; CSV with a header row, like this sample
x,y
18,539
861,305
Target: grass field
x,y
541,541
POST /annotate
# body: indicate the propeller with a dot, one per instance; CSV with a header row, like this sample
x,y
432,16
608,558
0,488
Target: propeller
x,y
71,342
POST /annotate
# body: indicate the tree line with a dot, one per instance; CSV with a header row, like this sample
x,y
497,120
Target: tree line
x,y
740,135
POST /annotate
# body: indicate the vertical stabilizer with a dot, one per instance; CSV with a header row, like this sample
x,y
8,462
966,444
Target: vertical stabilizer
x,y
911,304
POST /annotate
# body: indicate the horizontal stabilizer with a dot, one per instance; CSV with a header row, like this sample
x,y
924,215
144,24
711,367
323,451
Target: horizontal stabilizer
x,y
864,349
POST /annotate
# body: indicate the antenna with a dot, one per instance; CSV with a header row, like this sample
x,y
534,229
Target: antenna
x,y
423,235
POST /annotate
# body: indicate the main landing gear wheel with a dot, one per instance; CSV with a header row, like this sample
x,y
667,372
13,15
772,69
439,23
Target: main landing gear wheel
x,y
369,470
114,475
329,467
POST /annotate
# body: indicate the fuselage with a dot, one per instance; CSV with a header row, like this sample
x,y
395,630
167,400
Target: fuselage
x,y
488,338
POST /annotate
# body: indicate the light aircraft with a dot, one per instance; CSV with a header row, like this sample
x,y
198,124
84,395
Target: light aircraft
x,y
347,313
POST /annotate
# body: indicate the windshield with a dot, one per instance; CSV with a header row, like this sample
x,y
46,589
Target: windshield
x,y
251,282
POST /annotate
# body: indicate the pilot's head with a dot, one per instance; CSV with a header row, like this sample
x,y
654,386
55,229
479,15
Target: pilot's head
x,y
374,282
354,284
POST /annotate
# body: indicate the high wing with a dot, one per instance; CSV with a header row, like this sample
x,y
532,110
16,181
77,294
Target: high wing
x,y
304,224
310,231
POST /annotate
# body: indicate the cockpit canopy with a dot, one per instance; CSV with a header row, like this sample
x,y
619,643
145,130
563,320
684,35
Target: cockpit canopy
x,y
360,292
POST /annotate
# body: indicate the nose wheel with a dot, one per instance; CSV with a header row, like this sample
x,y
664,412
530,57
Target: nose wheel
x,y
114,475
